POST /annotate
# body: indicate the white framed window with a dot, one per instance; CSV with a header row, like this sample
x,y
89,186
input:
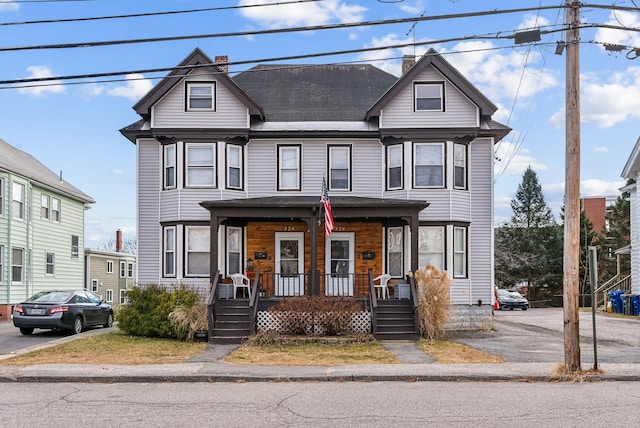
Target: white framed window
x,y
169,160
75,246
17,265
197,251
94,285
431,246
395,251
2,264
130,270
1,197
234,250
289,166
169,250
123,297
50,264
339,167
201,160
56,208
44,206
109,296
18,201
459,166
123,269
234,166
395,162
428,96
201,96
109,266
459,252
428,165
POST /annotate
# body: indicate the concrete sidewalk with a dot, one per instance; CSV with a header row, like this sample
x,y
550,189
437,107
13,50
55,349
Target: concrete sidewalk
x,y
414,365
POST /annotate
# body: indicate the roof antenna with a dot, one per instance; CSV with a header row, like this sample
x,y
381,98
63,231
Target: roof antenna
x,y
412,29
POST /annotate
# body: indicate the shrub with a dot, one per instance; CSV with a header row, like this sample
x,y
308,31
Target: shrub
x,y
309,315
433,301
189,320
148,308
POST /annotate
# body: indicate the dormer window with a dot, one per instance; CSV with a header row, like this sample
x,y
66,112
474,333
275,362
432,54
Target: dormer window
x,y
428,96
201,96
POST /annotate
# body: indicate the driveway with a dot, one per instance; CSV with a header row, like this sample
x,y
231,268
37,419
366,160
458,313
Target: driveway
x,y
537,336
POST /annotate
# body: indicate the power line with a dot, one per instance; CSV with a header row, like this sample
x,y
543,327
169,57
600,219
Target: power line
x,y
139,15
278,31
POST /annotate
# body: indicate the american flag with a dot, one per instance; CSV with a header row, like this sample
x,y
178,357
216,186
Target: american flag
x,y
328,215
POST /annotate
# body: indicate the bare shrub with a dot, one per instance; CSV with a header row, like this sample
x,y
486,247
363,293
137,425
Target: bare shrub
x,y
313,315
190,320
434,302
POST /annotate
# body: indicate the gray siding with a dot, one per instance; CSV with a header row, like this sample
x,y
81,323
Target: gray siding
x,y
459,110
148,227
170,112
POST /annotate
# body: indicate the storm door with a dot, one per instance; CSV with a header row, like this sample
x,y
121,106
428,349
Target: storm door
x,y
339,264
289,263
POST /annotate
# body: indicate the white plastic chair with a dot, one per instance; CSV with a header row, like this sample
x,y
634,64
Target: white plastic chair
x,y
382,286
241,281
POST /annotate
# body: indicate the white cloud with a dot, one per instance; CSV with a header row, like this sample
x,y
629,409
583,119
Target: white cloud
x,y
134,89
532,21
600,149
590,188
387,59
290,15
513,159
117,172
8,5
37,89
620,37
413,8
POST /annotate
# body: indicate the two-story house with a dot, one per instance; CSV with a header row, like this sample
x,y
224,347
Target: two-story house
x,y
231,171
41,229
110,274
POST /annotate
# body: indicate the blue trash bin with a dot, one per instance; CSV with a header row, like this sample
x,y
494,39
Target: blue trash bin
x,y
616,301
635,305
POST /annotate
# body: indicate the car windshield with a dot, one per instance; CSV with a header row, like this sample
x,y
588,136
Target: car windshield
x,y
50,297
507,293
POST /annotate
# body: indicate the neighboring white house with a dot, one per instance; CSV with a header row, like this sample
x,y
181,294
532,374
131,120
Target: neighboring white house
x,y
230,173
632,171
41,229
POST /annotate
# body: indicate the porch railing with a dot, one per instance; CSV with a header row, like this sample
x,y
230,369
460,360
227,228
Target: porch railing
x,y
618,282
301,284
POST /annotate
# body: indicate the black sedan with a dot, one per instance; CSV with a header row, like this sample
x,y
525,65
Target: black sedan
x,y
512,300
71,310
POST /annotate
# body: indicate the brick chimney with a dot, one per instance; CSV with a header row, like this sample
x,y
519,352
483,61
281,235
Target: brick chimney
x,y
407,62
118,241
224,59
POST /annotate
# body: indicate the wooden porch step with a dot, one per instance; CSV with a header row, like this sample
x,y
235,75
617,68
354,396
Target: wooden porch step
x,y
232,322
395,320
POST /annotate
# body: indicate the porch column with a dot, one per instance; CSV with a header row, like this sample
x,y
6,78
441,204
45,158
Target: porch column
x,y
214,225
413,226
312,223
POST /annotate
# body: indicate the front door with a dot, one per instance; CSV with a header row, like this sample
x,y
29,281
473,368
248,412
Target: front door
x,y
289,263
339,262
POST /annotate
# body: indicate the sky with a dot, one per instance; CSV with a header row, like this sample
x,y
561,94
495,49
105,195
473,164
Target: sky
x,y
72,126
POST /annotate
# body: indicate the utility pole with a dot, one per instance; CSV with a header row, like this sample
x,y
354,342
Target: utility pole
x,y
571,255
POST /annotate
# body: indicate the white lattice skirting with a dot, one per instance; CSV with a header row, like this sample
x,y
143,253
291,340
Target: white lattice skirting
x,y
360,322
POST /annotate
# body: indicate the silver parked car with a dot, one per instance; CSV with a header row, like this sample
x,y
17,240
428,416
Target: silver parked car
x,y
71,310
512,300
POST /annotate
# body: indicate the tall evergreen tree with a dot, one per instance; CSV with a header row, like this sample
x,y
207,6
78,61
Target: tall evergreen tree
x,y
529,207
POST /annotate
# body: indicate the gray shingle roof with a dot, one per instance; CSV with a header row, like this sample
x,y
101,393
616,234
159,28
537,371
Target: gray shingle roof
x,y
21,163
315,92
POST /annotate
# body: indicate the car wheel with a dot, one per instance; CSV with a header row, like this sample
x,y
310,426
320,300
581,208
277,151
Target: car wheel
x,y
26,330
77,326
109,321
524,309
511,308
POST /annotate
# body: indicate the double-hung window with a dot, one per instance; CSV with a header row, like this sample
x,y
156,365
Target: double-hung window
x,y
431,246
339,167
170,166
459,166
234,250
109,266
123,297
74,246
17,265
18,201
1,197
428,96
197,251
50,263
395,250
123,269
234,166
44,206
394,166
109,298
428,165
459,252
94,285
55,209
169,268
201,160
130,270
289,165
201,96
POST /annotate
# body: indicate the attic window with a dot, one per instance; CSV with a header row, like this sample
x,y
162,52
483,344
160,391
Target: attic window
x,y
201,96
429,96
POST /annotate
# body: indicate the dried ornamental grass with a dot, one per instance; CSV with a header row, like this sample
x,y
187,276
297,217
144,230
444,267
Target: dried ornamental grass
x,y
433,301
